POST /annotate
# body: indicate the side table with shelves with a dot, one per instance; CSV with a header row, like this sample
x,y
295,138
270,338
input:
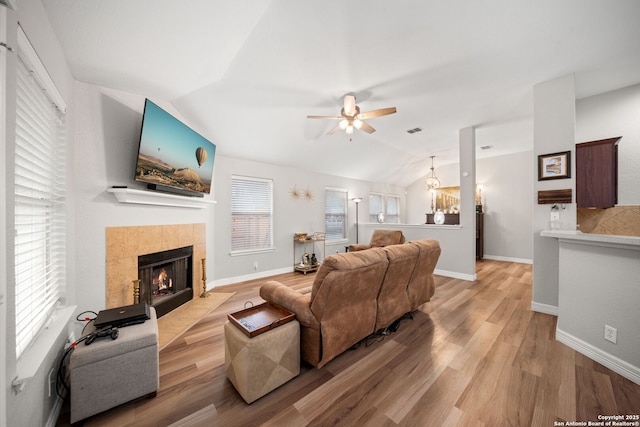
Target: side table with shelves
x,y
309,245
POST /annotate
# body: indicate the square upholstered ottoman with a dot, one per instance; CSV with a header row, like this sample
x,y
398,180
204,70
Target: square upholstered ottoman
x,y
258,365
110,372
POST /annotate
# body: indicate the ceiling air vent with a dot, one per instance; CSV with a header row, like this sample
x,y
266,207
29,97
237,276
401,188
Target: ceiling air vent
x,y
414,130
486,147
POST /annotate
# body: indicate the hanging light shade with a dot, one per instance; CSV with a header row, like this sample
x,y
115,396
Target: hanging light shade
x,y
432,182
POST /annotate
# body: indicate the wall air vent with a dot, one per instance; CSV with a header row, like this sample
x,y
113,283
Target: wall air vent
x,y
414,130
486,147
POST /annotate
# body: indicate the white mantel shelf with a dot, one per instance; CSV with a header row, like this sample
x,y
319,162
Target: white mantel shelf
x,y
141,197
575,236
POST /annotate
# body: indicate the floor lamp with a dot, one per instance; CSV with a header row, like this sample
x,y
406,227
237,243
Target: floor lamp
x,y
357,200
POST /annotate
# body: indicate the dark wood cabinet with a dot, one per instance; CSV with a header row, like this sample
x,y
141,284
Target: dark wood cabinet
x,y
479,235
597,173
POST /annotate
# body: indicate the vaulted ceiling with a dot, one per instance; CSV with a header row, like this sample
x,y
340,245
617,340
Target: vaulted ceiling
x,y
246,73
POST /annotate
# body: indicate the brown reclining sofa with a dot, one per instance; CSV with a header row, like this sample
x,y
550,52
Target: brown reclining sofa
x,y
357,293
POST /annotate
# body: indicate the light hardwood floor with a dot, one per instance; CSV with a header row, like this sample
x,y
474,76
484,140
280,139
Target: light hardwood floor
x,y
476,355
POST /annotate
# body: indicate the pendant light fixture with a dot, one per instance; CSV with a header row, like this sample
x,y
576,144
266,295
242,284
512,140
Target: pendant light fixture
x,y
432,182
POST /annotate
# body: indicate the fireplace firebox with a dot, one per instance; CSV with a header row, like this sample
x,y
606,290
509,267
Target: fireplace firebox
x,y
166,279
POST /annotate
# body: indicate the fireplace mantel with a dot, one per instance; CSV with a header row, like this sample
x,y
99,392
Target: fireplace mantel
x,y
142,197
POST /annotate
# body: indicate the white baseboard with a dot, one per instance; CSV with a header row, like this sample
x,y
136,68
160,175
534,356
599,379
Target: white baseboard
x,y
55,413
455,275
508,259
544,308
627,370
244,278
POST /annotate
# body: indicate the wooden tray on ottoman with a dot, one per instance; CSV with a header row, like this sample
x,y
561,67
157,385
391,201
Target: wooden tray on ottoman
x,y
260,318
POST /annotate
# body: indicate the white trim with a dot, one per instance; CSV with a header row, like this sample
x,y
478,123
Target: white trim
x,y
39,71
252,276
251,251
544,308
141,197
508,259
33,357
627,370
456,275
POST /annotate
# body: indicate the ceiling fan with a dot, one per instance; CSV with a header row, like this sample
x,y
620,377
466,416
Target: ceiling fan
x,y
350,117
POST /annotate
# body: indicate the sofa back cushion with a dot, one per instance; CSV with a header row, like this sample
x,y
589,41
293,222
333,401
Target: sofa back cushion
x,y
381,238
344,298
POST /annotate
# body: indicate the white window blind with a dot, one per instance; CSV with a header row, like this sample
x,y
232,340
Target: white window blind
x,y
393,210
251,214
376,206
335,214
39,200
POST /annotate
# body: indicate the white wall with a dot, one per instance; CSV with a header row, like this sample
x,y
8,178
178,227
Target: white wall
x,y
32,406
599,286
609,115
508,200
508,203
290,215
553,131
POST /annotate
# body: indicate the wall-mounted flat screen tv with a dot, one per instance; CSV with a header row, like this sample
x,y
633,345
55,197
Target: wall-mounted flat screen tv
x,y
172,156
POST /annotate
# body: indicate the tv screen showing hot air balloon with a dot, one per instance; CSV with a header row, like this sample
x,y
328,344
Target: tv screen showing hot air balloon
x,y
171,154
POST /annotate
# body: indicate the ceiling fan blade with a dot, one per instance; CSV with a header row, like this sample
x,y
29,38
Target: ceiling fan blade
x,y
366,127
376,113
349,107
334,130
326,117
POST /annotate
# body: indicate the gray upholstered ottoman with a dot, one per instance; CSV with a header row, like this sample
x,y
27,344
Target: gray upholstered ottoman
x,y
258,365
110,372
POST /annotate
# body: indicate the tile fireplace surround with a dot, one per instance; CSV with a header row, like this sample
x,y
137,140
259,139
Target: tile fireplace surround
x,y
125,244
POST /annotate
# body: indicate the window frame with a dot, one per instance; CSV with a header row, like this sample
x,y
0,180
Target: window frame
x,y
267,203
329,235
383,202
39,198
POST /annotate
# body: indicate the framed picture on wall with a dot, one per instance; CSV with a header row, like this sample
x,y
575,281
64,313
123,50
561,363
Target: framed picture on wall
x,y
554,166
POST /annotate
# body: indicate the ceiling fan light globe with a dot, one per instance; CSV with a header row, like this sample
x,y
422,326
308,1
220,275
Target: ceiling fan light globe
x,y
357,124
349,130
343,124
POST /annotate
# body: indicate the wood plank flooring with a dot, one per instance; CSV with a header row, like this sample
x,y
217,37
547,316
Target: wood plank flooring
x,y
476,355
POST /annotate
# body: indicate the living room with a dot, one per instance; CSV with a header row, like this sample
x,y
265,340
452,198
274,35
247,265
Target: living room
x,y
103,125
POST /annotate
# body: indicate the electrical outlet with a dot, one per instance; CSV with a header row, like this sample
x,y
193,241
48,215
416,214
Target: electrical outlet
x,y
255,265
610,333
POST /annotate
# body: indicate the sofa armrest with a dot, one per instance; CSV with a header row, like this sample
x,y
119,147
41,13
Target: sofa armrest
x,y
294,301
358,247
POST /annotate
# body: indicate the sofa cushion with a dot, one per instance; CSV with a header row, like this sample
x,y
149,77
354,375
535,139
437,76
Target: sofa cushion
x,y
344,298
382,238
393,300
421,285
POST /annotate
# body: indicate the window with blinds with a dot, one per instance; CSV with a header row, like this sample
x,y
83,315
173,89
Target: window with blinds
x,y
335,214
39,199
251,214
389,205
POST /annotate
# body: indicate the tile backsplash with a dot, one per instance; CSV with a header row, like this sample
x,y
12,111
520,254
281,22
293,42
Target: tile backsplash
x,y
619,221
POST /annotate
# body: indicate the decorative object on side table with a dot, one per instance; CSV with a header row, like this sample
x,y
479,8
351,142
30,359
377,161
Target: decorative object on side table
x,y
438,217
